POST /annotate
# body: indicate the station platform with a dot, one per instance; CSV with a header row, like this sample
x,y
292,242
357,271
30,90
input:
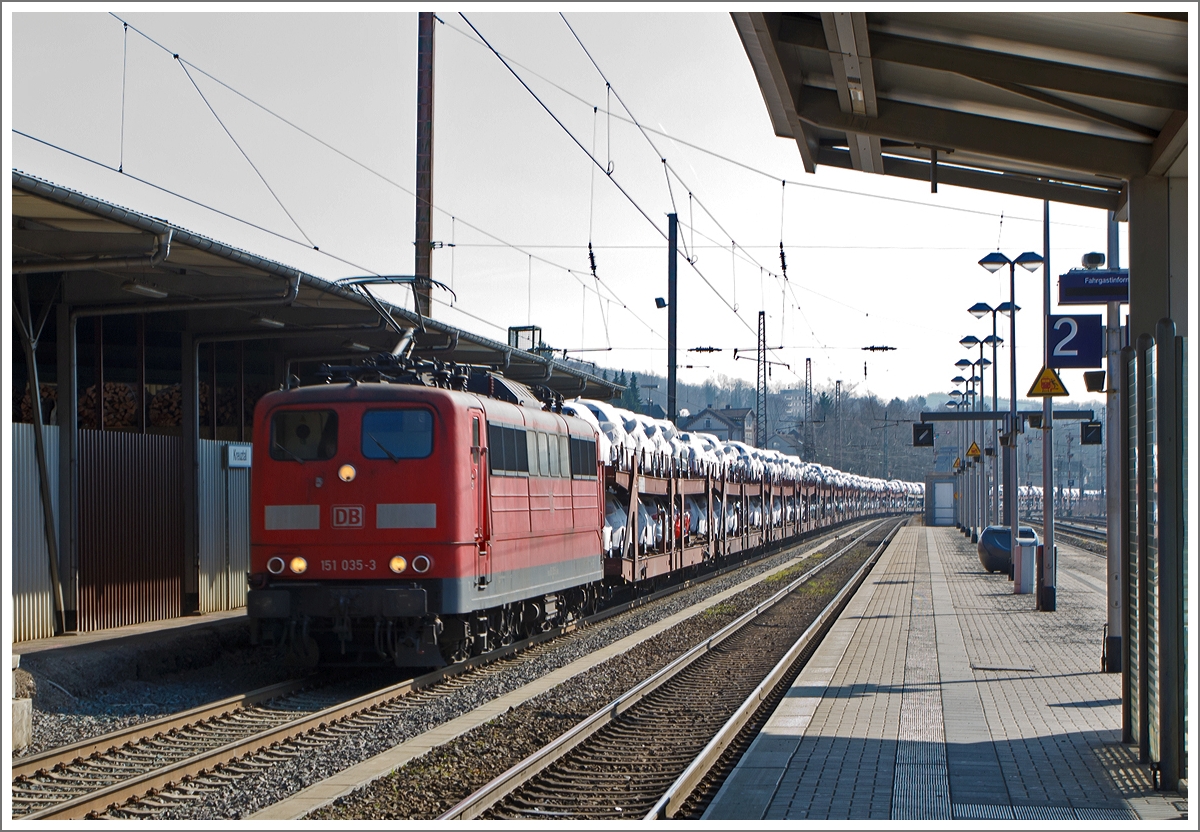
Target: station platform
x,y
939,694
138,651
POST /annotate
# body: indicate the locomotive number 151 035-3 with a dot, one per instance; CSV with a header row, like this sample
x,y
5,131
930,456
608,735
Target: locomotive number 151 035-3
x,y
348,565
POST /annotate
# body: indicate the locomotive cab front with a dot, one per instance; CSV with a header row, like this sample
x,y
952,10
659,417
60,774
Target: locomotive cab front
x,y
363,516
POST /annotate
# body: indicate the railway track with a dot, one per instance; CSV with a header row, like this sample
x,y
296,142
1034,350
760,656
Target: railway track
x,y
1096,531
141,771
643,755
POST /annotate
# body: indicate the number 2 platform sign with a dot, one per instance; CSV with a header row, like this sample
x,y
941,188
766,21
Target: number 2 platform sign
x,y
1075,341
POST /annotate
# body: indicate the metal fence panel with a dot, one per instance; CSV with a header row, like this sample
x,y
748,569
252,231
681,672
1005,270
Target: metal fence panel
x,y
1151,614
130,529
210,519
33,600
224,526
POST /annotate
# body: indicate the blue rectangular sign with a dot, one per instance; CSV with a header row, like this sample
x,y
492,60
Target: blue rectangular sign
x,y
1091,286
1075,340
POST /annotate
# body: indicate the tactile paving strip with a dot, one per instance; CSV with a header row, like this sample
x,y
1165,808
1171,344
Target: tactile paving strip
x,y
979,811
1105,814
921,784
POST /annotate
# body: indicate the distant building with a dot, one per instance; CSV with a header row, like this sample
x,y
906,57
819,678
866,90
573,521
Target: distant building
x,y
788,442
792,405
728,423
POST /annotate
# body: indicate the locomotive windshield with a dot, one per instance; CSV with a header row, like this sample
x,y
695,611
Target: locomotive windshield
x,y
303,435
397,434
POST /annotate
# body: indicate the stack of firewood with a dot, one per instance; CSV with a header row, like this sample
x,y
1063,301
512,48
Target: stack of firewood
x,y
120,406
227,406
166,408
25,405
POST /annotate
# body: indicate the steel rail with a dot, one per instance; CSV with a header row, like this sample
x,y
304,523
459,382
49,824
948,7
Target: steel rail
x,y
27,766
500,787
135,787
681,789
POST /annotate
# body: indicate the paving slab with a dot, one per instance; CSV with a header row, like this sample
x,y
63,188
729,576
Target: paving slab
x,y
939,694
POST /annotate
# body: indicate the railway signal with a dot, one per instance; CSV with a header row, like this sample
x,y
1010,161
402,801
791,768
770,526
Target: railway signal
x,y
923,435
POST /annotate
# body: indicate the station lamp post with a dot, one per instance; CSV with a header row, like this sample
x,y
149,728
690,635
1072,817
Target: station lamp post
x,y
977,464
993,262
977,429
968,437
979,310
969,342
987,488
957,404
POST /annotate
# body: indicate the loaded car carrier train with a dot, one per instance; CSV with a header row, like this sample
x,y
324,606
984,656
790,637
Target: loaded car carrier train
x,y
415,513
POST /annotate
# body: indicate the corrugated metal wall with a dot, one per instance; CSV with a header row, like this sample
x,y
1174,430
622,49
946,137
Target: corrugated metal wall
x,y
224,519
130,528
33,601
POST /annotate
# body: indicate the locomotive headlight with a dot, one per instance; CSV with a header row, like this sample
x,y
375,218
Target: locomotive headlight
x,y
275,565
346,473
398,564
421,563
298,565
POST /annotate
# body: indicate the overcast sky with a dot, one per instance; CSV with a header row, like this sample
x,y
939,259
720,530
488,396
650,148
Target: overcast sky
x,y
871,260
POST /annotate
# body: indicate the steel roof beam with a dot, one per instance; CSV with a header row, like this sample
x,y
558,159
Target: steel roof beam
x,y
1172,141
854,78
998,67
756,30
983,180
990,137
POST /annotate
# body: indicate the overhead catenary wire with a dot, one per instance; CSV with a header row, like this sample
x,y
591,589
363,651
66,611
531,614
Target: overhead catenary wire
x,y
668,171
613,296
751,168
611,178
242,150
124,69
195,202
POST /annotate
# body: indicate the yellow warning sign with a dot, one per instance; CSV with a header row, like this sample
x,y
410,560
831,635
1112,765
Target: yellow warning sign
x,y
974,451
958,462
1047,384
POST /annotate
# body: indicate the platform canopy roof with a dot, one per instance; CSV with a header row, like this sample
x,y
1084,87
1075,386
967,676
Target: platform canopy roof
x,y
1066,106
227,293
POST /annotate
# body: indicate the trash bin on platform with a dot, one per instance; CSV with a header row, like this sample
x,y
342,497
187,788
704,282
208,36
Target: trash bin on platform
x,y
1023,567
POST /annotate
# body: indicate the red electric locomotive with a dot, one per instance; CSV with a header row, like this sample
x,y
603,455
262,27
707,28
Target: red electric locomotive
x,y
417,524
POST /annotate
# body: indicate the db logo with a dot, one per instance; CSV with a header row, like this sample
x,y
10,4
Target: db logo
x,y
347,517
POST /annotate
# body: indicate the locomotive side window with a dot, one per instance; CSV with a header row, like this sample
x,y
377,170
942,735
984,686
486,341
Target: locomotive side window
x,y
564,456
583,458
508,450
532,455
397,434
543,450
552,452
303,435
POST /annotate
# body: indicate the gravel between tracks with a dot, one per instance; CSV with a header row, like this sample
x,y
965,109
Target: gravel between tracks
x,y
62,717
432,784
257,791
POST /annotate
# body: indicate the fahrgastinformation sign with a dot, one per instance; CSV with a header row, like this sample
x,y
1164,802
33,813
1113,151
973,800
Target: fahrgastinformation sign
x,y
1085,287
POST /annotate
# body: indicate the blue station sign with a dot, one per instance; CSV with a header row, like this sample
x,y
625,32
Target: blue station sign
x,y
1075,341
1091,286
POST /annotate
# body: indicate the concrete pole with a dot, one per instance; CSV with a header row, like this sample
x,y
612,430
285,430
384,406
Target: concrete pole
x,y
672,315
1046,600
1112,468
423,269
995,425
1011,507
